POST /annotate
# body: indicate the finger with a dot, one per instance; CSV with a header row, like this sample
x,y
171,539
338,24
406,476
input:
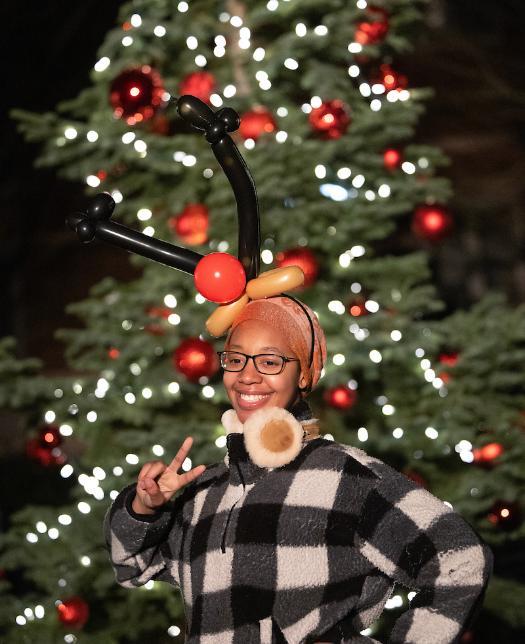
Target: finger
x,y
152,469
152,489
180,457
187,477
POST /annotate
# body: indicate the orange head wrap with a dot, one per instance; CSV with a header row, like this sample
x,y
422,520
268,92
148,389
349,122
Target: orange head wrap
x,y
298,323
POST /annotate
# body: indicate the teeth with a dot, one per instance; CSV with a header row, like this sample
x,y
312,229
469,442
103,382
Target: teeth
x,y
250,398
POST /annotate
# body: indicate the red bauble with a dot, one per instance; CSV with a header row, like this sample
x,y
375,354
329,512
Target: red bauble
x,y
257,122
505,515
392,159
199,84
195,358
416,477
191,225
331,119
340,397
73,612
356,307
158,313
136,94
44,448
220,277
449,359
302,257
488,453
432,223
113,353
390,78
373,32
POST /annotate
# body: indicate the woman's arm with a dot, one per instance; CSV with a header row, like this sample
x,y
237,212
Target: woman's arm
x,y
138,544
421,543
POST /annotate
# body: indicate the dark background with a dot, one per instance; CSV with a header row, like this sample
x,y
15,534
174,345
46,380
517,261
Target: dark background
x,y
470,52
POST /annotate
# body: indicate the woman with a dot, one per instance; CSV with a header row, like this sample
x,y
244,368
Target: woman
x,y
293,538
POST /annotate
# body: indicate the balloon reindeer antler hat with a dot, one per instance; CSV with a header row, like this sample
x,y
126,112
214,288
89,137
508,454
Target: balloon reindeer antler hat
x,y
233,283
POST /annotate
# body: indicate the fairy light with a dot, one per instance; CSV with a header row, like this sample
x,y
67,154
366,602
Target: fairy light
x,y
320,171
397,432
92,180
70,133
127,41
321,30
375,105
408,167
189,160
85,560
58,393
404,95
159,31
91,416
200,60
431,433
102,64
208,391
84,507
316,101
158,450
92,136
259,54
362,434
371,306
64,519
395,601
229,91
144,214
388,409
361,4
216,100
236,21
336,306
370,195
200,299
306,108
396,335
173,388
223,246
135,369
132,459
291,63
423,163
140,145
65,430
392,96
170,301
136,20
265,85
249,144
207,173
358,181
365,90
345,260
375,356
300,29
338,359
384,190
53,533
130,398
183,7
41,527
344,173
272,5
220,441
192,42
66,471
117,196
355,48
174,319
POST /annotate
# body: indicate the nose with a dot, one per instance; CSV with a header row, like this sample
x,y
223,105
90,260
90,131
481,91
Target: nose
x,y
249,374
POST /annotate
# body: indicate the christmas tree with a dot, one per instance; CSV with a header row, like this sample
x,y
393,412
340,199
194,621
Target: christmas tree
x,y
326,123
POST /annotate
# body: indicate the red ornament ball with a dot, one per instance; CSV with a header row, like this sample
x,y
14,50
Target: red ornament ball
x,y
391,79
340,397
73,612
113,353
199,84
432,223
195,358
44,448
392,159
257,122
505,515
356,307
302,257
158,313
220,277
331,119
136,94
449,359
191,225
488,453
375,30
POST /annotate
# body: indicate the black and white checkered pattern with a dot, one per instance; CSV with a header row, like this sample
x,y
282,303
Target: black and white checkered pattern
x,y
272,555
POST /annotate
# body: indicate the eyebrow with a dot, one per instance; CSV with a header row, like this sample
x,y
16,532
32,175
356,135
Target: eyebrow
x,y
238,346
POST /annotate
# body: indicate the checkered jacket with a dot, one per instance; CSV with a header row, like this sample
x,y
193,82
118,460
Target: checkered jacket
x,y
276,555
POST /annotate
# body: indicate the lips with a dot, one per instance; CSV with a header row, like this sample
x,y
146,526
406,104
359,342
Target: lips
x,y
251,401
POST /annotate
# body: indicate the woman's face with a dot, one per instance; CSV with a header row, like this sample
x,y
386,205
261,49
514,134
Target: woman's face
x,y
281,390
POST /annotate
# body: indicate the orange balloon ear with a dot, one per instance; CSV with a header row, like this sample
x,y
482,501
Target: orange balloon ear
x,y
274,282
223,316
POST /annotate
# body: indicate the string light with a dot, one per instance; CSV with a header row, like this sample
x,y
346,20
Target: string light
x,y
102,64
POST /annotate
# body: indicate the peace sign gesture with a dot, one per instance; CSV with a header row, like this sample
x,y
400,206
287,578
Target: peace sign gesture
x,y
158,482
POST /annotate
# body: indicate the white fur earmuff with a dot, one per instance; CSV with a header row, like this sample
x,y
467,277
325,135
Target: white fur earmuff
x,y
273,437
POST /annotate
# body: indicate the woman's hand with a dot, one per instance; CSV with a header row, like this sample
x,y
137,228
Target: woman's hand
x,y
158,482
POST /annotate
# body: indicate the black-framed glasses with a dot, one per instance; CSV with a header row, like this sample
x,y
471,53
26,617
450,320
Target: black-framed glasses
x,y
269,364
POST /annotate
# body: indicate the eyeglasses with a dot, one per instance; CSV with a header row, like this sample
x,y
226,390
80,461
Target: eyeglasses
x,y
269,364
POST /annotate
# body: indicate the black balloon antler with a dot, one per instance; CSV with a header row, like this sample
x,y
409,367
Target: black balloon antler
x,y
95,221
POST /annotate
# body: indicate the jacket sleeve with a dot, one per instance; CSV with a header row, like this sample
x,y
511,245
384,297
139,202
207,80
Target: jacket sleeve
x,y
420,542
143,547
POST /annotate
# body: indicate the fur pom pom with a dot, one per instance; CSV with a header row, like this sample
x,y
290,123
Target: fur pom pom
x,y
231,423
273,437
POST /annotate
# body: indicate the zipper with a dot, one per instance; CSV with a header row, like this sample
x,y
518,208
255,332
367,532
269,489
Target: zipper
x,y
223,544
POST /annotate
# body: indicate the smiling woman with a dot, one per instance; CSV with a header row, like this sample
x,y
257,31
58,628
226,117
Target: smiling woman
x,y
293,537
